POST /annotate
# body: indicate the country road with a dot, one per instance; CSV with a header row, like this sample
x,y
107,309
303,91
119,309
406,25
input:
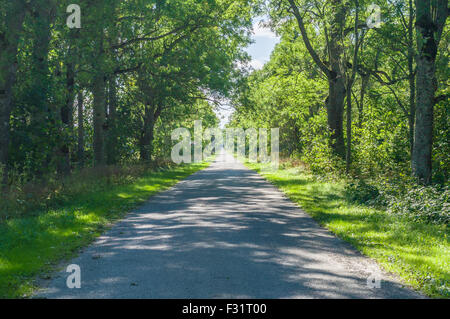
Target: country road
x,y
224,232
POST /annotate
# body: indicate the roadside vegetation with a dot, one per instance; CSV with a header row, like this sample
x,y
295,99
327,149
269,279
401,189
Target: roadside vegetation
x,y
363,125
53,223
361,100
89,96
399,236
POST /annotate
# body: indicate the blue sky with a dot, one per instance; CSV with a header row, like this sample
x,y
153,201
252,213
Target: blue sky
x,y
264,43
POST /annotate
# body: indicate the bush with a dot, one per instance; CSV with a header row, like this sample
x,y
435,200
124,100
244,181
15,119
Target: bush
x,y
23,198
317,152
426,204
360,192
399,196
429,204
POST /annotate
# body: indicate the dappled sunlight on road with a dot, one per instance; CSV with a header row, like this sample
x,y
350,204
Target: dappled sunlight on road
x,y
222,233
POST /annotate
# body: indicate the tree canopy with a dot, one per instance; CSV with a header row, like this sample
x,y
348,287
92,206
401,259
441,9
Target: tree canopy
x,y
99,82
355,85
347,88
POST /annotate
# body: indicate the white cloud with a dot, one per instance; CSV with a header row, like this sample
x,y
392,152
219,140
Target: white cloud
x,y
260,31
256,64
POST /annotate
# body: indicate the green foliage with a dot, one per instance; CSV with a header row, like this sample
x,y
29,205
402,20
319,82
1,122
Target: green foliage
x,y
146,67
423,204
420,204
376,204
30,197
127,58
360,192
417,252
290,92
37,239
441,144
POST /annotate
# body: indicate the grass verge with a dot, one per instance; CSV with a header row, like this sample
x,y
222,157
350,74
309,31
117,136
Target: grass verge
x,y
30,246
417,252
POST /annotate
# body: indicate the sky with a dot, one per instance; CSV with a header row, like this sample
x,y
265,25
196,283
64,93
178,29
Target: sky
x,y
264,41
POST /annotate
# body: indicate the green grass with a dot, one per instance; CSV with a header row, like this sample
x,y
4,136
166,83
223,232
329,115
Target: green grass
x,y
31,246
417,252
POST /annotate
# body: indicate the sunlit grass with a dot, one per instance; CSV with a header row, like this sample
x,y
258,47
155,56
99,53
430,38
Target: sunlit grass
x,y
30,246
419,253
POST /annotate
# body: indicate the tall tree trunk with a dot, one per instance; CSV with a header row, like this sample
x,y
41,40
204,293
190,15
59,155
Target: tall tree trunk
x,y
335,73
146,140
67,120
5,112
335,113
348,153
111,153
364,83
99,119
431,16
336,80
99,93
151,115
350,81
42,119
9,40
80,148
412,78
99,84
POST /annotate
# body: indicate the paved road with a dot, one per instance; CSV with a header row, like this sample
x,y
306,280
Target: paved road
x,y
222,233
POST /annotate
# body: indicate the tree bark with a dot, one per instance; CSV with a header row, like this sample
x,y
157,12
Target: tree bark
x,y
9,41
348,153
147,134
42,119
335,113
412,78
99,93
5,113
335,73
111,153
99,119
364,83
67,120
80,148
350,82
430,21
336,79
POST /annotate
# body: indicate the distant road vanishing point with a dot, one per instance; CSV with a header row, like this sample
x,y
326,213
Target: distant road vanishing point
x,y
224,232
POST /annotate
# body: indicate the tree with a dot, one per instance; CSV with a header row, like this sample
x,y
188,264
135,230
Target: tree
x,y
431,17
334,69
350,80
12,17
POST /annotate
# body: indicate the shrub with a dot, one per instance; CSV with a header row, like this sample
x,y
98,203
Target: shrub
x,y
23,198
429,204
361,192
423,203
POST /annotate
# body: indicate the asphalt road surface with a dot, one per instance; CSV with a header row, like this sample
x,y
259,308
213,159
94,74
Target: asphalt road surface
x,y
224,232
